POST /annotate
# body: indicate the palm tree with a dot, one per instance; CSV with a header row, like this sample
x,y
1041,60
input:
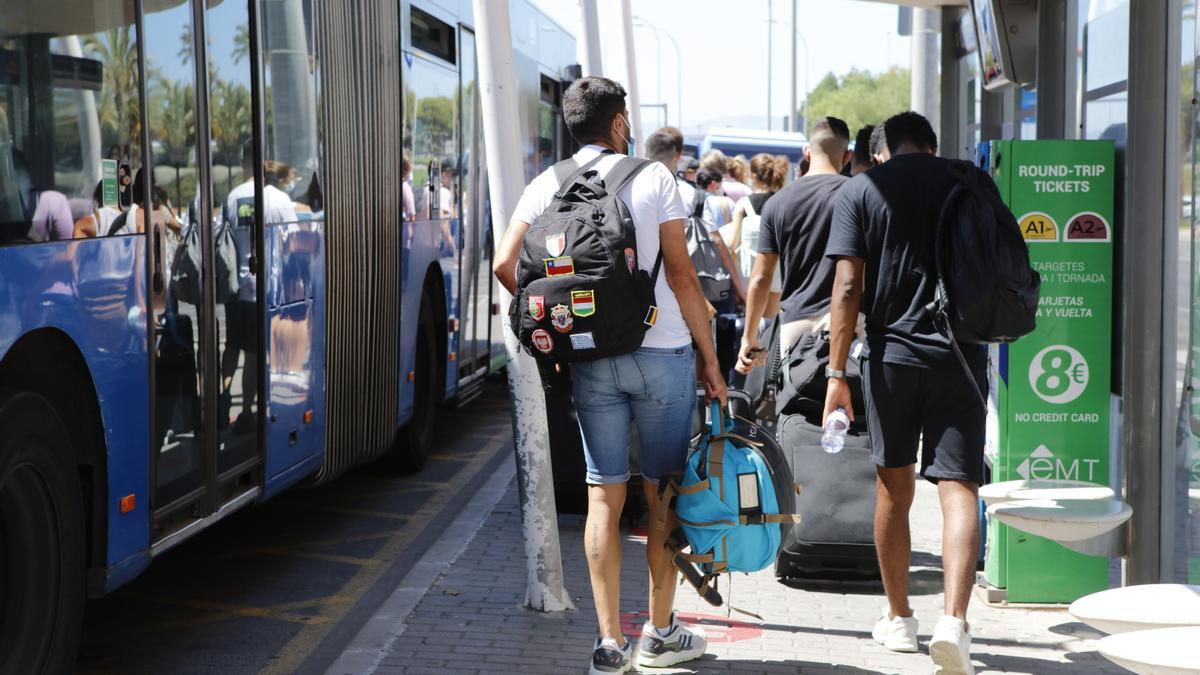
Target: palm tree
x,y
241,43
231,123
176,128
120,117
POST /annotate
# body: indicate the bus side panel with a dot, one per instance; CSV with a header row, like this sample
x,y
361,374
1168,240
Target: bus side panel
x,y
92,290
421,252
295,419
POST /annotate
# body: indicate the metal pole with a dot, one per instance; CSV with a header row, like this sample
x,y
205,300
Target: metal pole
x,y
770,53
631,80
502,138
950,141
678,68
1149,240
1052,69
589,44
924,63
793,111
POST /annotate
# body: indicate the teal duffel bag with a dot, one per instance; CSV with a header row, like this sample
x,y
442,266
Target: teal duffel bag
x,y
732,500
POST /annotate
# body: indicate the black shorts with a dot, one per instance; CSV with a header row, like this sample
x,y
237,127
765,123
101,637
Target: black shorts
x,y
906,403
241,330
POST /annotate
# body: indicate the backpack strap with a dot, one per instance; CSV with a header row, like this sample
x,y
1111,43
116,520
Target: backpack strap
x,y
568,164
624,172
698,204
117,223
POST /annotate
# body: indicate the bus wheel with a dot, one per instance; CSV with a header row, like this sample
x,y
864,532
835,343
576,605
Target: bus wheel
x,y
42,563
415,438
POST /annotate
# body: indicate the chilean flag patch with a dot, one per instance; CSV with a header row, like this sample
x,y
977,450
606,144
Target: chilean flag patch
x,y
559,266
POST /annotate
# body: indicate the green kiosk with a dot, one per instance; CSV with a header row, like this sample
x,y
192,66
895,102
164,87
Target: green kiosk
x,y
1050,389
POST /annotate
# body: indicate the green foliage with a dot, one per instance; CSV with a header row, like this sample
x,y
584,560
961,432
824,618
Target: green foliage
x,y
120,118
860,97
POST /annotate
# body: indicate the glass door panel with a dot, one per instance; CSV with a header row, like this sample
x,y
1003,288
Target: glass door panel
x,y
179,441
235,231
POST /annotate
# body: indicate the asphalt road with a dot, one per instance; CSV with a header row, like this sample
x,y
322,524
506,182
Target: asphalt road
x,y
283,587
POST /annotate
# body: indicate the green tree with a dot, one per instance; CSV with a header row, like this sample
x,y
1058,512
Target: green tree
x,y
241,43
120,118
175,130
231,123
860,97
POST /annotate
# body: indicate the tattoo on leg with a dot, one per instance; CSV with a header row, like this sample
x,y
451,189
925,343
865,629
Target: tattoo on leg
x,y
596,542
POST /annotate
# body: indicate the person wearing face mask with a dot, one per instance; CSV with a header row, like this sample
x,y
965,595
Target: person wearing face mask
x,y
652,387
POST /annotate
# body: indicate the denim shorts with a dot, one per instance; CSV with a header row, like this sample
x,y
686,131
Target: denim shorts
x,y
652,388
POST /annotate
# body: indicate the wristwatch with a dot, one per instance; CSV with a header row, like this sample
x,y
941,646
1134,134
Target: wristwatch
x,y
831,373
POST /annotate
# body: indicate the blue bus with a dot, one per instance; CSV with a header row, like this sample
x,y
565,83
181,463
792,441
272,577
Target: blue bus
x,y
244,244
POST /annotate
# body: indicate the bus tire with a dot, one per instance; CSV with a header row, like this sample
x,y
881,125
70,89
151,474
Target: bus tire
x,y
42,547
416,437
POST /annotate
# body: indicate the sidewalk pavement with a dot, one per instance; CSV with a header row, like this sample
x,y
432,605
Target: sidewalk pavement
x,y
471,620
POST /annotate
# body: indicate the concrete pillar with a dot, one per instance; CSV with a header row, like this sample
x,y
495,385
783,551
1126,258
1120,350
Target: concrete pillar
x,y
634,100
502,137
589,42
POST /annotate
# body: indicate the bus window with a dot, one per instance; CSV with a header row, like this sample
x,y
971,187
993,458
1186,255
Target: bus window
x,y
432,94
69,119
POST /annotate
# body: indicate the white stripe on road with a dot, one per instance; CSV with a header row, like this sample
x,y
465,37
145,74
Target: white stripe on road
x,y
373,643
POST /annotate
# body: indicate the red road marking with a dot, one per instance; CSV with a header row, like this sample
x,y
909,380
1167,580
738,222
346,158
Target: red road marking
x,y
717,628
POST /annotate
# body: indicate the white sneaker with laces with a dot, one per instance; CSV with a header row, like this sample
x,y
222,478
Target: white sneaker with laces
x,y
681,643
897,633
950,647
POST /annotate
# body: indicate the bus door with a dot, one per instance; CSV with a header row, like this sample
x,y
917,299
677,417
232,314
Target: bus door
x,y
205,265
475,262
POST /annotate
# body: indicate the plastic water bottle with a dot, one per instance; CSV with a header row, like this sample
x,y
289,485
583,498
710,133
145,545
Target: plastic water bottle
x,y
836,426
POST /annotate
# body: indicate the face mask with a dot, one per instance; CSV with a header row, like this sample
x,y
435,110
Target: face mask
x,y
631,142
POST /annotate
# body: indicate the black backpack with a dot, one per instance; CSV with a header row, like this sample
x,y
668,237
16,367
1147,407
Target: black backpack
x,y
714,278
580,294
804,385
987,291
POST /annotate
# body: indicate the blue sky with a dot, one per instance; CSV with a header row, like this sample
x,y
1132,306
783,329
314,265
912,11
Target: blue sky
x,y
724,49
162,40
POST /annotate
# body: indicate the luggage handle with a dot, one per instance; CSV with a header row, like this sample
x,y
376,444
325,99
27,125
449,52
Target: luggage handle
x,y
718,422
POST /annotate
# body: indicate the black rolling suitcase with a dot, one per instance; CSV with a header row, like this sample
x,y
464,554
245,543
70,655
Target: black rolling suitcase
x,y
834,538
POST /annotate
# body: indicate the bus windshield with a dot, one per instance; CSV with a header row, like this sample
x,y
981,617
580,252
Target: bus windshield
x,y
69,119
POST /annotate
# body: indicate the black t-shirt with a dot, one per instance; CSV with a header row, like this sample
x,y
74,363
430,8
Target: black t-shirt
x,y
888,216
795,225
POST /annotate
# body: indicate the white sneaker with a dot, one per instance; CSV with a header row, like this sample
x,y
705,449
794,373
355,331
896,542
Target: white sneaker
x,y
950,648
897,633
681,643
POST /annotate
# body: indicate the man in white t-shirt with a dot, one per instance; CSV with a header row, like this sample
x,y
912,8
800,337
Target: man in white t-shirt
x,y
241,316
652,388
666,146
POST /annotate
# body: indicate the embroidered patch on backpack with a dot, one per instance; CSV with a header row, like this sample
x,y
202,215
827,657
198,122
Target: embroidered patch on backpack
x,y
560,318
559,266
537,307
556,244
542,341
583,303
651,316
583,341
631,259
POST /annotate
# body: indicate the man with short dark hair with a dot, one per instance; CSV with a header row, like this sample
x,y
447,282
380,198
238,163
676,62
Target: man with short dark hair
x,y
652,388
883,240
794,231
665,146
862,151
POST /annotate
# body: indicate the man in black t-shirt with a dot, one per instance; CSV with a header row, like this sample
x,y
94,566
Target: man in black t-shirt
x,y
794,231
883,238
